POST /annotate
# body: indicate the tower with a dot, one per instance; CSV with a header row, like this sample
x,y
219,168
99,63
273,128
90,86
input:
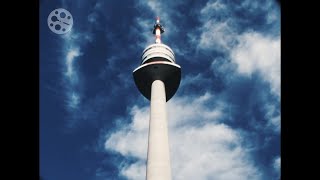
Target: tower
x,y
158,78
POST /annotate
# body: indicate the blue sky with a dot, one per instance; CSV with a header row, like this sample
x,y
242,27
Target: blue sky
x,y
224,120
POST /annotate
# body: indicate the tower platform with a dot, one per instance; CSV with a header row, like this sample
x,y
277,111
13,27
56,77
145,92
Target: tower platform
x,y
167,72
157,63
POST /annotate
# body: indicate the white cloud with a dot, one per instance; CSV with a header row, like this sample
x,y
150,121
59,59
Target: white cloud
x,y
131,140
155,6
277,165
273,117
256,52
212,6
71,55
191,111
210,150
250,51
213,151
217,35
70,37
73,100
72,78
135,171
216,32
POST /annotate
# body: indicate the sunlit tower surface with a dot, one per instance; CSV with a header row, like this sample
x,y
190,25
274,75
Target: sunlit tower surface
x,y
158,78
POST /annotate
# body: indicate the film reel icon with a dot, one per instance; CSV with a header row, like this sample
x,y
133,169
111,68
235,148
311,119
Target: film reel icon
x,y
60,21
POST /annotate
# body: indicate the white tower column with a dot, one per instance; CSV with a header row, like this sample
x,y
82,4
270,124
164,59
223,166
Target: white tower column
x,y
158,163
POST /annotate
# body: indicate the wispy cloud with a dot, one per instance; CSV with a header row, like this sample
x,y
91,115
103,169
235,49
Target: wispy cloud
x,y
273,116
143,28
217,35
277,166
78,106
73,100
213,7
70,72
92,18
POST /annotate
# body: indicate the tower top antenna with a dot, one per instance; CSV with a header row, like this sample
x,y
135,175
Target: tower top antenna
x,y
158,30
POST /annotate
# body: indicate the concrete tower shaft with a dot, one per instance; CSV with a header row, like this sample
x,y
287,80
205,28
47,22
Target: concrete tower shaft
x,y
158,163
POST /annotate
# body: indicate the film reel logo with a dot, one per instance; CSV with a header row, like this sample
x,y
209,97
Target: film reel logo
x,y
60,21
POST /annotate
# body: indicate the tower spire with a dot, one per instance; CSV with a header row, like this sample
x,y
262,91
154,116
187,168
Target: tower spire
x,y
158,30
